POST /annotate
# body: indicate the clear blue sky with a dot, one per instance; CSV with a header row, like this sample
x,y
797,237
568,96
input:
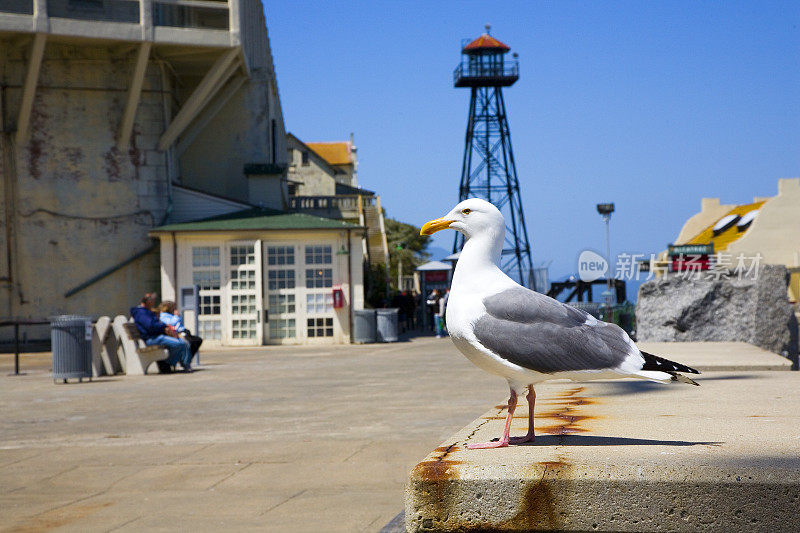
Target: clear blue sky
x,y
651,105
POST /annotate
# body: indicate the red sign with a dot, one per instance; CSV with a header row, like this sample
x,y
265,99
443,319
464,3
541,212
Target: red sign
x,y
683,263
436,275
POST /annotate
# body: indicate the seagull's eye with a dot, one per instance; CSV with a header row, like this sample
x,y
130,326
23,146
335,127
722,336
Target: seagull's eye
x,y
466,211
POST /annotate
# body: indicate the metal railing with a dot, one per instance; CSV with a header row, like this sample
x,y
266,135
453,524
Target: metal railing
x,y
17,322
208,14
17,7
101,10
200,14
324,202
483,70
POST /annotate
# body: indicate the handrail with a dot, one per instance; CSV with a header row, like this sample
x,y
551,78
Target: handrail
x,y
465,70
17,323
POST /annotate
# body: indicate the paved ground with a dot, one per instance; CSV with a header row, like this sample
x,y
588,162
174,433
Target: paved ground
x,y
274,438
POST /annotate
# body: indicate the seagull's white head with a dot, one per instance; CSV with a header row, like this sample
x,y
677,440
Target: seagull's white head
x,y
474,218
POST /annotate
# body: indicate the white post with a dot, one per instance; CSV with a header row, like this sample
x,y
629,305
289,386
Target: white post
x,y
146,19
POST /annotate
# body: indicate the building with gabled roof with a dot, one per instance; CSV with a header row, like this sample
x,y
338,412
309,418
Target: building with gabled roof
x,y
322,181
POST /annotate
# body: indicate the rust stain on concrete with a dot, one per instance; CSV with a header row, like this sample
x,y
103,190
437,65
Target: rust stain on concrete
x,y
60,517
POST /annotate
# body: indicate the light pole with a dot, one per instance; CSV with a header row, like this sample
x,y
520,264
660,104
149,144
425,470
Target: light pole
x,y
605,211
400,247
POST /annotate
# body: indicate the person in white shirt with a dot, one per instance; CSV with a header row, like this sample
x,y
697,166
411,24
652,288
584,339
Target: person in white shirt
x,y
170,316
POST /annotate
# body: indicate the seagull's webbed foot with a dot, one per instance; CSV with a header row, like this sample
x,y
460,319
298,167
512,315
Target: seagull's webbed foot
x,y
500,443
521,440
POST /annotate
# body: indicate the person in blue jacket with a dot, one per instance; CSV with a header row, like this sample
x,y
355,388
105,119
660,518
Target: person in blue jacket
x,y
154,331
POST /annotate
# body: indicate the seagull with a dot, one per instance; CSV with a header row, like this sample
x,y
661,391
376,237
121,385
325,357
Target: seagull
x,y
522,335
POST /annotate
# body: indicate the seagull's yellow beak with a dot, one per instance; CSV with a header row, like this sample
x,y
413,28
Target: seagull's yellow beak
x,y
435,225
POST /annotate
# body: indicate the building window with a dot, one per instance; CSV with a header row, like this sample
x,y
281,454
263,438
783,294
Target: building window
x,y
85,4
243,328
319,303
318,255
209,304
207,279
242,280
280,279
320,327
319,278
242,304
280,255
243,255
210,329
205,256
304,158
281,304
280,328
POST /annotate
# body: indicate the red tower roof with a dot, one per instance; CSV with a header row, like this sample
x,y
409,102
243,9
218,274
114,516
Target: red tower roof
x,y
486,42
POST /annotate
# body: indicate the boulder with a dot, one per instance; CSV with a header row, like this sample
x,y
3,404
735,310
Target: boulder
x,y
676,308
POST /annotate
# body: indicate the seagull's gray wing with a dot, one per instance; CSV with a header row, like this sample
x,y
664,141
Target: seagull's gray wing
x,y
541,334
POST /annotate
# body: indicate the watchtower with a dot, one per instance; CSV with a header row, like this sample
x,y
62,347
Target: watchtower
x,y
488,169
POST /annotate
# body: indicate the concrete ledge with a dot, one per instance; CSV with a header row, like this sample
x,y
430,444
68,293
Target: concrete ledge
x,y
718,356
625,456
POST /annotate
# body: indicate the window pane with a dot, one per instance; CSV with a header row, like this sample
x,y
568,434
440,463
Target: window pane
x,y
319,255
319,278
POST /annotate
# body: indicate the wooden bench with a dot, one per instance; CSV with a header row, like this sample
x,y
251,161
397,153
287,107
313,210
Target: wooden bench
x,y
138,355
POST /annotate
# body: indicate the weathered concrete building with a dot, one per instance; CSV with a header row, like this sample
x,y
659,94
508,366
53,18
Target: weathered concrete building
x,y
118,117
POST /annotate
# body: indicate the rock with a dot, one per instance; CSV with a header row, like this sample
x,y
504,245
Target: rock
x,y
674,308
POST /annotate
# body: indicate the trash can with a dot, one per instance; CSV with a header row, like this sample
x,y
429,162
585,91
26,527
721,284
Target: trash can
x,y
71,338
386,324
364,326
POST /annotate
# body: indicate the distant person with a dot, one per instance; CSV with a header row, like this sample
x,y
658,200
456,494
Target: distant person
x,y
172,317
433,307
154,331
443,307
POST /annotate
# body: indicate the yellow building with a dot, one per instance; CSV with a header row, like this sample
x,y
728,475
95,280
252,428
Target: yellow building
x,y
767,229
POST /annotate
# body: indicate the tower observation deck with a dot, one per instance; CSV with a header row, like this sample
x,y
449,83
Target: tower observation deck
x,y
488,170
483,64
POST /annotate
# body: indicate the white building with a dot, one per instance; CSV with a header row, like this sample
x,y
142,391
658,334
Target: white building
x,y
266,276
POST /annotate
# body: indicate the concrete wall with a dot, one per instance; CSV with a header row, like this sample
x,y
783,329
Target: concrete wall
x,y
239,134
317,177
248,129
74,205
78,205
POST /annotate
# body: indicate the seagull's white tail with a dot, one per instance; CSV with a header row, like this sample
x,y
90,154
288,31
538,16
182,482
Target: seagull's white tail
x,y
664,377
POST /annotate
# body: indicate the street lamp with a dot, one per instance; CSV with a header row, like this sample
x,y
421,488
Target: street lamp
x,y
605,211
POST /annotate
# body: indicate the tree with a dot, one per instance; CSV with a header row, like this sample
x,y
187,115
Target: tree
x,y
406,245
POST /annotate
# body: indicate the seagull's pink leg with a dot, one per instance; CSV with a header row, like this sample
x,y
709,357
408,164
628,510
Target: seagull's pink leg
x,y
528,436
512,404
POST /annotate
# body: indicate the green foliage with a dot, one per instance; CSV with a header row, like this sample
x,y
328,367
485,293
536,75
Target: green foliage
x,y
375,287
406,245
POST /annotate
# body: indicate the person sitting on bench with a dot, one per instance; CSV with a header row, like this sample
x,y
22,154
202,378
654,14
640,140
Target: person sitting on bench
x,y
153,331
170,316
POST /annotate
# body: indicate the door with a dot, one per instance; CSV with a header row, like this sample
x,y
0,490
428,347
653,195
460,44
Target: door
x,y
281,284
244,295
